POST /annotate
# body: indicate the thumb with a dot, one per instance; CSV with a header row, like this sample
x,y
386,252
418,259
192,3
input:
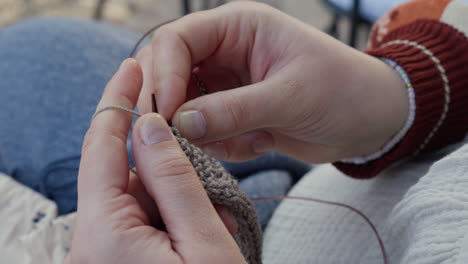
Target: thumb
x,y
171,181
228,113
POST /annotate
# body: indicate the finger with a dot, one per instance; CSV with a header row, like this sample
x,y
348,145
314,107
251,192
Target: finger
x,y
180,46
241,148
104,163
172,182
144,57
228,219
214,77
230,113
254,144
172,63
138,190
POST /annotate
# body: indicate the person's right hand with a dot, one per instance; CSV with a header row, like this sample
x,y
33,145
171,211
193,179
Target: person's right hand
x,y
299,91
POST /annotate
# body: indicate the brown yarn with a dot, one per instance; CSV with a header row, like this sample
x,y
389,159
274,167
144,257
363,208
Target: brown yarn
x,y
222,189
219,184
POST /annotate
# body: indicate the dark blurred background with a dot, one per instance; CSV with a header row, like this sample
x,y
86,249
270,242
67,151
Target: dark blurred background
x,y
339,17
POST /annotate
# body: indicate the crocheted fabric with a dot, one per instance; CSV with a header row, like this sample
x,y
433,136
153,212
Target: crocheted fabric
x,y
223,189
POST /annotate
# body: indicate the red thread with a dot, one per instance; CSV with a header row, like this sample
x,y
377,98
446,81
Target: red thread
x,y
372,226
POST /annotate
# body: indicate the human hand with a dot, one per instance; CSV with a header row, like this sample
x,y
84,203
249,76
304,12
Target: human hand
x,y
299,91
116,213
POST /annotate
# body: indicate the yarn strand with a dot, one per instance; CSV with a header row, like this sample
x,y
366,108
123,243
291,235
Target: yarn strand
x,y
147,33
361,214
116,107
309,199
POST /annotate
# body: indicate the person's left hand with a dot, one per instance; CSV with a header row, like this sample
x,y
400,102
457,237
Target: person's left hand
x,y
117,212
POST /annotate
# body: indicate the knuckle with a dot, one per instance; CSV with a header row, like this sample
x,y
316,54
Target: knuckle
x,y
179,79
125,213
161,34
95,136
173,165
88,140
235,110
121,97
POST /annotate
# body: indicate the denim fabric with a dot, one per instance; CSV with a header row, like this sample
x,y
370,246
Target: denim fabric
x,y
266,184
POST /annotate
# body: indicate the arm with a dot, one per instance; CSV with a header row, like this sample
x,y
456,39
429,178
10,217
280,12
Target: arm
x,y
274,84
434,55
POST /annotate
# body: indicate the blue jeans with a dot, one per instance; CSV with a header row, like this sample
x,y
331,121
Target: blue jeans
x,y
52,74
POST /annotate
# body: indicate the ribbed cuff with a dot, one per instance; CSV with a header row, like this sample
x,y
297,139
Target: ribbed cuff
x,y
435,57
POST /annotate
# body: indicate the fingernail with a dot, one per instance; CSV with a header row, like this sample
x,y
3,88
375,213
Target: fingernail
x,y
154,130
192,124
216,150
262,145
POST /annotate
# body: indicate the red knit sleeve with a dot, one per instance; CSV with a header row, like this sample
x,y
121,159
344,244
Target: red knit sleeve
x,y
435,58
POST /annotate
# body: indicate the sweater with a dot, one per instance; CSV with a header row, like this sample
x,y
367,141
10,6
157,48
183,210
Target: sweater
x,y
419,207
418,202
32,233
416,194
427,38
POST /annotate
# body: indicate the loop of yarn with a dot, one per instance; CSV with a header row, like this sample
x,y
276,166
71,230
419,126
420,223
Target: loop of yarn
x,y
222,189
116,107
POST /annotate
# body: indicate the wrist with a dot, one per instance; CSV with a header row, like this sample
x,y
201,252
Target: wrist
x,y
383,109
396,138
432,62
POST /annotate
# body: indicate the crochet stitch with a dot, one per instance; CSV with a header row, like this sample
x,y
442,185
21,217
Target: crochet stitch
x,y
223,189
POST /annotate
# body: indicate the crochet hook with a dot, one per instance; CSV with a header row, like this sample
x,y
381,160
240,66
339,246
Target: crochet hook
x,y
155,107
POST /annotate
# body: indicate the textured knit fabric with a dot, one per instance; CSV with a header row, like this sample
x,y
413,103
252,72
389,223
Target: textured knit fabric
x,y
222,189
30,231
434,55
420,208
420,204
